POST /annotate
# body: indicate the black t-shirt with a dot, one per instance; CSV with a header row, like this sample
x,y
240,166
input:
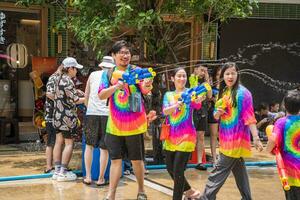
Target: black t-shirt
x,y
204,108
264,125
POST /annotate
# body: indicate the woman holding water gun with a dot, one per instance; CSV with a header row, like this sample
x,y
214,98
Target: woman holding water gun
x,y
182,136
284,141
234,109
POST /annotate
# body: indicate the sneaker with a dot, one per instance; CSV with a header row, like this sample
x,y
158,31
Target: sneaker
x,y
200,166
126,172
69,176
55,175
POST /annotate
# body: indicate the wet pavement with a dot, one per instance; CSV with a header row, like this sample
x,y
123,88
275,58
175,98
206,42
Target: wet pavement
x,y
264,181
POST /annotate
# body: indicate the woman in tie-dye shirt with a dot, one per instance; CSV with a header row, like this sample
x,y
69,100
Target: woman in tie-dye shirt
x,y
182,138
237,120
286,137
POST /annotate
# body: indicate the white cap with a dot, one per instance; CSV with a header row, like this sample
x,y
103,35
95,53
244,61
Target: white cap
x,y
71,62
107,62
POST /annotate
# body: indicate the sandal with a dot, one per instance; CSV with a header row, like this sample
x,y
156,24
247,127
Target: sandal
x,y
86,182
47,171
196,194
141,196
102,184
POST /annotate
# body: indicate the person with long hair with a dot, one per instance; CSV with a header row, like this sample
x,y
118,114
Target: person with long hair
x,y
182,137
234,109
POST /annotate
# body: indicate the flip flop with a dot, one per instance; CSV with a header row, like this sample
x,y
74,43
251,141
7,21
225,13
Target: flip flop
x,y
86,182
47,171
102,184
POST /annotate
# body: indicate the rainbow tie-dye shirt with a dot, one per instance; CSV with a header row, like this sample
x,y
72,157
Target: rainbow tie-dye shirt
x,y
121,121
287,138
234,133
182,131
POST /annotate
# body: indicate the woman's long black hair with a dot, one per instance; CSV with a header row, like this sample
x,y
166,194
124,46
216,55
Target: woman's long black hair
x,y
234,87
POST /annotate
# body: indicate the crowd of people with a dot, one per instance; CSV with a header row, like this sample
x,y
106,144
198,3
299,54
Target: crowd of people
x,y
116,121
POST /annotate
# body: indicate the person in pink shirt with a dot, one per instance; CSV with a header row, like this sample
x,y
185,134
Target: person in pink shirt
x,y
183,136
286,138
237,121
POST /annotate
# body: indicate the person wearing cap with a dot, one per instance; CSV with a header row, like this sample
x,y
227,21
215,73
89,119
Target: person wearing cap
x,y
65,119
49,105
95,124
127,120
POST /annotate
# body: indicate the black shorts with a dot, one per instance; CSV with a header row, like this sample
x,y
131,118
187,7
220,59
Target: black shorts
x,y
95,130
211,119
51,134
200,122
70,134
121,147
293,193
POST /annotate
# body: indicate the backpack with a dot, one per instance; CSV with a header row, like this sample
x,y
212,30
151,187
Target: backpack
x,y
109,76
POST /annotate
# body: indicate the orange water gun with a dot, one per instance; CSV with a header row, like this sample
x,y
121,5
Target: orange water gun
x,y
280,164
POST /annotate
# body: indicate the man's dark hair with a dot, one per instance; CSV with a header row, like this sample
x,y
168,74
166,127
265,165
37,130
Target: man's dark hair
x,y
117,46
262,106
292,102
273,103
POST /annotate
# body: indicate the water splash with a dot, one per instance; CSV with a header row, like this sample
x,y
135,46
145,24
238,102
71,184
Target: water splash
x,y
260,49
274,87
267,79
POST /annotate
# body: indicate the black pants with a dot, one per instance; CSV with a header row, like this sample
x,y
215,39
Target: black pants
x,y
293,193
176,164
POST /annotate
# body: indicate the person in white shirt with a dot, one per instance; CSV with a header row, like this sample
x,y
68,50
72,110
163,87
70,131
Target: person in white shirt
x,y
96,120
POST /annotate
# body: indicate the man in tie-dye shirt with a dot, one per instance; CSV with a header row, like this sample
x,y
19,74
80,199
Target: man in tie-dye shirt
x,y
286,137
127,119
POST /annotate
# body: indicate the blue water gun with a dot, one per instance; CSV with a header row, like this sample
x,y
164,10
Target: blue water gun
x,y
215,91
134,76
193,93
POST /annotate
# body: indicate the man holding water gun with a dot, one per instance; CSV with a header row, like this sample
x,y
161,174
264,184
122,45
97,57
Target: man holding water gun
x,y
284,141
127,121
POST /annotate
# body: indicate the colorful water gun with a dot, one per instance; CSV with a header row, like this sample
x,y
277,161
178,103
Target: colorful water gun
x,y
200,90
193,93
134,76
223,102
280,164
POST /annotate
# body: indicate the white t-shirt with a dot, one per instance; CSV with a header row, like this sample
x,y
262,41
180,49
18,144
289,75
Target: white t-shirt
x,y
95,105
